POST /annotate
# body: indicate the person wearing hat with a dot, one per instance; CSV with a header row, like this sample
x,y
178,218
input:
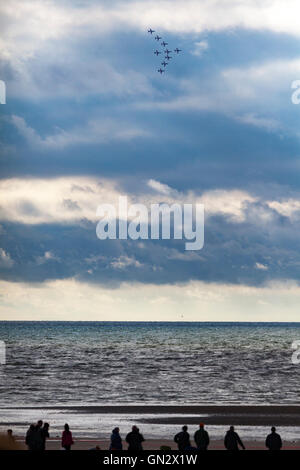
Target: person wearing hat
x,y
201,438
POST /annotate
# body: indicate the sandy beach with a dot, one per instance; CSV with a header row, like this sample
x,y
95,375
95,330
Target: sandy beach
x,y
215,417
154,444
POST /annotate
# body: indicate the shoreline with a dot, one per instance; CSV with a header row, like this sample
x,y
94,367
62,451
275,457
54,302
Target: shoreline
x,y
238,415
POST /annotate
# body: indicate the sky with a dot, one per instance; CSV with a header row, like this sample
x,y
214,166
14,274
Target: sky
x,y
88,118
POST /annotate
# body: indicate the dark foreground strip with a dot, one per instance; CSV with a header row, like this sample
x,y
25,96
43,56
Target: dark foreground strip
x,y
151,459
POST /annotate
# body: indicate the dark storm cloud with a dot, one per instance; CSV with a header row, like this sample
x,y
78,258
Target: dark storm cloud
x,y
247,252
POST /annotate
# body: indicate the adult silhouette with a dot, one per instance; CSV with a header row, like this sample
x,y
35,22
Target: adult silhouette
x,y
273,441
232,440
201,438
182,439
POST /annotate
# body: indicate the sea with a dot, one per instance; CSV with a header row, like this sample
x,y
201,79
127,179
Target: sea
x,y
63,364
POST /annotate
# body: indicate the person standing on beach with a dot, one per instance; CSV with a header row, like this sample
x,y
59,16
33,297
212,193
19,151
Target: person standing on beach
x,y
67,439
201,438
135,439
182,439
39,435
10,435
115,440
273,441
232,440
30,439
45,435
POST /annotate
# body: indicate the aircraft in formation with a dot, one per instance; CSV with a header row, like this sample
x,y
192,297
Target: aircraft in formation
x,y
167,53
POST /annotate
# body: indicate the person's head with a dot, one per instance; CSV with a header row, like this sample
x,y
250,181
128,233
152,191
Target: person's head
x,y
231,428
116,430
184,428
40,423
9,432
201,425
32,427
46,426
67,427
135,429
273,429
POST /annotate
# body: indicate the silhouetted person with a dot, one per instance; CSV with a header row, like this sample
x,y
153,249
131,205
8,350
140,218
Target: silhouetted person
x,y
67,439
201,438
39,435
182,439
115,440
10,435
135,439
30,439
45,434
232,440
273,441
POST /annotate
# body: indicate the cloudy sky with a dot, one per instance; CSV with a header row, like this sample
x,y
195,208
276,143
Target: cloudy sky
x,y
88,119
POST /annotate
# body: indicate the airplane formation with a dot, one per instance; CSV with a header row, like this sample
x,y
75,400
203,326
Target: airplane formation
x,y
165,51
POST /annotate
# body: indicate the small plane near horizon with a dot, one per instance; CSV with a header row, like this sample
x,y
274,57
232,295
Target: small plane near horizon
x,y
157,52
151,31
168,57
160,71
177,50
164,63
164,44
157,37
167,51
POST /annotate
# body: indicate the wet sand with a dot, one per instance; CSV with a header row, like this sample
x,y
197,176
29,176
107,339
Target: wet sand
x,y
154,444
249,415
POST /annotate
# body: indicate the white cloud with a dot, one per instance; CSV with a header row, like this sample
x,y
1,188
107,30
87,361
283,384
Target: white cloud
x,y
47,256
41,40
260,121
199,48
124,262
195,301
159,187
250,94
231,203
5,259
288,208
36,201
261,267
93,132
71,199
37,22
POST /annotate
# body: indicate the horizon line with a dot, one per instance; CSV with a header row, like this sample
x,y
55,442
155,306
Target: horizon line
x,y
150,321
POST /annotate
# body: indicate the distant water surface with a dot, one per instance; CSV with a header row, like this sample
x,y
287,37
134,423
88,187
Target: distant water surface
x,y
82,363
